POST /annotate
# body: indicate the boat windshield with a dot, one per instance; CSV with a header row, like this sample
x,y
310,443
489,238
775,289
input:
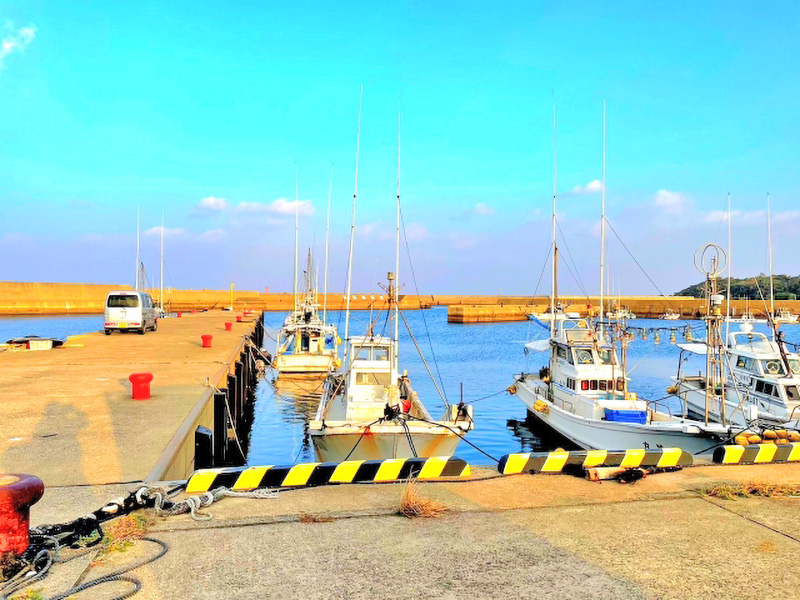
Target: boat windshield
x,y
371,353
773,366
606,356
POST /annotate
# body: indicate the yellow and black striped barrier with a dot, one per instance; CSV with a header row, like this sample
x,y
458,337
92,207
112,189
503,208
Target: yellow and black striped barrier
x,y
314,474
757,454
555,462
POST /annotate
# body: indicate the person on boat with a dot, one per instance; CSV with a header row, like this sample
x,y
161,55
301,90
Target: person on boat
x,y
405,390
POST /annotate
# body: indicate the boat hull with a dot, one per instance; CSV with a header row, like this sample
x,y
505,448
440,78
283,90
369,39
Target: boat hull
x,y
593,434
304,363
335,444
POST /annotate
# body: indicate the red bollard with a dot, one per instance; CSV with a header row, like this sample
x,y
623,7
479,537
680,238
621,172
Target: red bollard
x,y
17,494
238,318
194,311
228,326
140,385
180,314
206,340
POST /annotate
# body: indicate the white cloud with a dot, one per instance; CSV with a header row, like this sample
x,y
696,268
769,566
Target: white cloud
x,y
592,187
16,42
212,204
482,208
168,231
281,206
212,235
671,202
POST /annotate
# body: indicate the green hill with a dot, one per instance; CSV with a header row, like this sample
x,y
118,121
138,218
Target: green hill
x,y
786,287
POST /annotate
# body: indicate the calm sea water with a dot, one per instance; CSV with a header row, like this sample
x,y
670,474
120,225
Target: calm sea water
x,y
49,326
484,357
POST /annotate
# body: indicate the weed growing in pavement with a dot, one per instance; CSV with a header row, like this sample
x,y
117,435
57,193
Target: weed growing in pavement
x,y
414,505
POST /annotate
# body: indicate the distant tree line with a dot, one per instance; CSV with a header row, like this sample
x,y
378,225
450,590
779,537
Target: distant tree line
x,y
786,287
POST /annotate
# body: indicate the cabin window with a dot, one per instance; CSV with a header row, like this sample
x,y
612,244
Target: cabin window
x,y
127,301
743,362
773,366
373,379
791,392
561,352
620,385
602,385
380,353
759,386
570,383
606,356
593,384
584,357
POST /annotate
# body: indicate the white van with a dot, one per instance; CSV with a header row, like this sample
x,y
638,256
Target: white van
x,y
130,311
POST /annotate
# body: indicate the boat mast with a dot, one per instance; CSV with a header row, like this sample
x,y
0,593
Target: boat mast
x,y
554,274
352,234
327,243
603,224
771,284
296,228
138,248
396,333
730,268
161,289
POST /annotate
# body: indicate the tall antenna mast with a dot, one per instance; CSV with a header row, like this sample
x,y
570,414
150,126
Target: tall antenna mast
x,y
296,228
138,248
352,233
327,243
397,253
730,268
161,290
771,284
603,224
554,278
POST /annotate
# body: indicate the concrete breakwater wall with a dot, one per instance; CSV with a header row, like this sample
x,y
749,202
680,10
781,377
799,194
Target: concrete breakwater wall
x,y
28,298
647,307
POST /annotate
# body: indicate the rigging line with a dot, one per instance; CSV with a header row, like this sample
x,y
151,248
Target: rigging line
x,y
650,279
461,435
424,362
575,278
408,436
442,392
569,254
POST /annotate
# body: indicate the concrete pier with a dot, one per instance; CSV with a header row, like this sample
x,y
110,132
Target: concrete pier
x,y
67,414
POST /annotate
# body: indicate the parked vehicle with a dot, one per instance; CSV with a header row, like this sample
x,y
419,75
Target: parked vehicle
x,y
130,311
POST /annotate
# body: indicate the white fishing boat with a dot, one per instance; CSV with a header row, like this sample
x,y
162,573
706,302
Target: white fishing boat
x,y
621,313
583,394
368,410
670,315
307,343
559,314
784,315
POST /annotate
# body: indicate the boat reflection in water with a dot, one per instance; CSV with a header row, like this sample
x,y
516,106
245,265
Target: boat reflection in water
x,y
533,436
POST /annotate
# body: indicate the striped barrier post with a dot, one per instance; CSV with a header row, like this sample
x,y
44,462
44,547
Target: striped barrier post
x,y
315,474
554,462
757,454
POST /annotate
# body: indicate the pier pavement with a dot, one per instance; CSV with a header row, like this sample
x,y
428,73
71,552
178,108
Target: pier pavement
x,y
522,536
67,415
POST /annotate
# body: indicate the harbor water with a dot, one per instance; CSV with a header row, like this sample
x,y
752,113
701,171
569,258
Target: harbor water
x,y
484,357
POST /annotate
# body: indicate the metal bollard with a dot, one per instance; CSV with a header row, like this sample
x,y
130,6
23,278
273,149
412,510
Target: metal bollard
x,y
228,326
17,494
206,340
140,385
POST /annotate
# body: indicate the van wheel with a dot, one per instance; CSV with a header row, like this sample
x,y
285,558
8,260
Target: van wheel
x,y
107,331
142,330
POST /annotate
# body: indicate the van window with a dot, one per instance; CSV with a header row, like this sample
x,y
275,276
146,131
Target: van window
x,y
126,301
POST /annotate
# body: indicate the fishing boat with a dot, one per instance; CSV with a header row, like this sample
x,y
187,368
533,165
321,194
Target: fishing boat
x,y
369,410
783,315
583,393
307,343
559,314
670,315
620,313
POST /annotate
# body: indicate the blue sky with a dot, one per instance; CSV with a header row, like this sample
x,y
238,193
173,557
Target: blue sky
x,y
203,110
